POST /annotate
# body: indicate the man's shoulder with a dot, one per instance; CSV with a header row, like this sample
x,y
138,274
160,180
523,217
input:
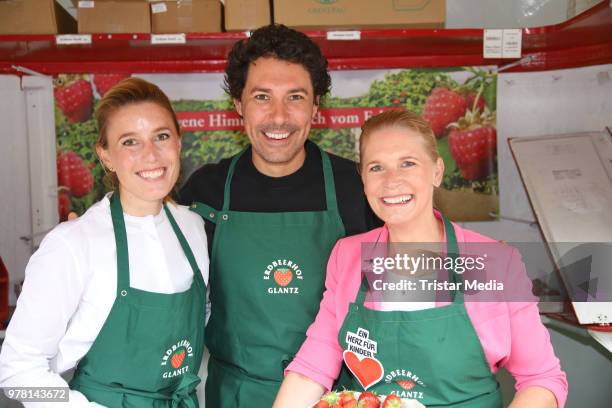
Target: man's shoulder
x,y
211,171
205,184
343,167
342,163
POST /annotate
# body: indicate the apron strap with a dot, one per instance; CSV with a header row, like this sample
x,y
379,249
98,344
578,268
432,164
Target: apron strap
x,y
185,246
182,397
205,211
123,262
363,291
328,177
228,180
452,250
330,185
212,214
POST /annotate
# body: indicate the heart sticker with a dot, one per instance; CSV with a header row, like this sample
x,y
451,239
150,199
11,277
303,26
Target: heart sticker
x,y
367,370
177,359
283,277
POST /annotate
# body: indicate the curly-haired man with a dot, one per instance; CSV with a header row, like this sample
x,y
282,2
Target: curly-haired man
x,y
273,213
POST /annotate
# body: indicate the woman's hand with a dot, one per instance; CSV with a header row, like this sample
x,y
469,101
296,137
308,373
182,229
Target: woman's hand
x,y
298,391
534,397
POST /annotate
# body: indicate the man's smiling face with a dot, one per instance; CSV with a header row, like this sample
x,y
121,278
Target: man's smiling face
x,y
277,106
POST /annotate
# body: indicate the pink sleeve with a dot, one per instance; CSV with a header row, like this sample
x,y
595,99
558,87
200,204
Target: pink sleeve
x,y
532,360
320,357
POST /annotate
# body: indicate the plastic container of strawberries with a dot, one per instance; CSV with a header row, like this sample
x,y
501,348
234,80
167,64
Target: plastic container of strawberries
x,y
406,403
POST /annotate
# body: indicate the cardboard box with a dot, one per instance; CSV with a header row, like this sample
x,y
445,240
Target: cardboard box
x,y
245,15
114,16
186,16
356,14
35,17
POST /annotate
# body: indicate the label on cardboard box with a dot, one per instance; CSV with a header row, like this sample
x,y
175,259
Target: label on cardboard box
x,y
158,8
168,38
86,4
69,39
344,35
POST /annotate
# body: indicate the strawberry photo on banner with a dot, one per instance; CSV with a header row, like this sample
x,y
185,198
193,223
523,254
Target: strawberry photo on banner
x,y
459,103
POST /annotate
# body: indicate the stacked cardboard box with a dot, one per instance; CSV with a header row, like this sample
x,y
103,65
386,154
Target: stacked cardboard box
x,y
34,17
357,14
186,16
114,16
183,16
244,15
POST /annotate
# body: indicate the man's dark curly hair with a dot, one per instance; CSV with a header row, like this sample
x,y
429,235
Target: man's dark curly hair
x,y
283,43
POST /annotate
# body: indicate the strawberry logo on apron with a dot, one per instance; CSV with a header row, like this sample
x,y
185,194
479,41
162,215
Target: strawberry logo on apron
x,y
177,358
286,275
283,276
406,381
405,384
176,355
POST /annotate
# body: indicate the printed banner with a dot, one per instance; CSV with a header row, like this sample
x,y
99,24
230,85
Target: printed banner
x,y
326,118
459,103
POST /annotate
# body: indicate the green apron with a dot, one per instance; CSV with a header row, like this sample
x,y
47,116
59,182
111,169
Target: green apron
x,y
267,277
432,355
149,350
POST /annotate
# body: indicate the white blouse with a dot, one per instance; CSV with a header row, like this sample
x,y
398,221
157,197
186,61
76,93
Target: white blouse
x,y
71,283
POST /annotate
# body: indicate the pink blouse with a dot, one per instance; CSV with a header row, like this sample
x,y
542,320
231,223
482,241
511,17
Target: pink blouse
x,y
511,333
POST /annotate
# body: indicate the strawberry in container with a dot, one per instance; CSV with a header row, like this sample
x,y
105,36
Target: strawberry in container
x,y
354,399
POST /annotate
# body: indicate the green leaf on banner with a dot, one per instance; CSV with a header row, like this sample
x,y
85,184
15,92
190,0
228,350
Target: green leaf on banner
x,y
490,94
443,149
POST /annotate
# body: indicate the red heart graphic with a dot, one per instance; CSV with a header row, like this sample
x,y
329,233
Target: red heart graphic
x,y
283,278
177,359
367,370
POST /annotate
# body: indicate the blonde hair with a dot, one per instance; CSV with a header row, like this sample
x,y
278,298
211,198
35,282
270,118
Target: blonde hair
x,y
128,92
400,119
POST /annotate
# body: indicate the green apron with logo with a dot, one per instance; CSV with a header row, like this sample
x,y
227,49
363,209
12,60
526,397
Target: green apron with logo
x,y
267,277
432,355
150,348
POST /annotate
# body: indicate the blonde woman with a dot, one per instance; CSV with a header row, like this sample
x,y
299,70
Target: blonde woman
x,y
443,354
119,293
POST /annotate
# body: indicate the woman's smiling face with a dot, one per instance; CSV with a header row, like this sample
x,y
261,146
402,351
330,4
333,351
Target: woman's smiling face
x,y
144,150
398,174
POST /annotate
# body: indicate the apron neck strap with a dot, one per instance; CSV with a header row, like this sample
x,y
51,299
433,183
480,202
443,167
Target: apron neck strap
x,y
363,291
330,186
328,176
123,262
184,245
452,250
228,180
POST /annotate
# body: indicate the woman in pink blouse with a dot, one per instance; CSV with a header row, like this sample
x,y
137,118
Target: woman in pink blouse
x,y
443,354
